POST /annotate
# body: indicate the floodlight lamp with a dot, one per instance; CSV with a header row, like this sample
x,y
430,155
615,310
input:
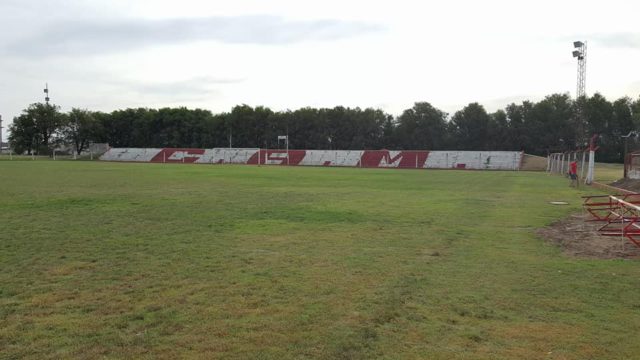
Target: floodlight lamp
x,y
576,53
578,44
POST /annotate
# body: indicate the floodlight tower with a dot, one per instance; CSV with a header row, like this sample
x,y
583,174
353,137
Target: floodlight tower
x,y
581,54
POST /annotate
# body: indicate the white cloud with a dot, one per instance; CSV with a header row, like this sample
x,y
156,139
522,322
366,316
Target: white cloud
x,y
91,37
286,54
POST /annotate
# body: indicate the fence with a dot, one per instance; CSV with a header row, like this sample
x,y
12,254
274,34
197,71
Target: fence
x,y
620,213
409,159
559,163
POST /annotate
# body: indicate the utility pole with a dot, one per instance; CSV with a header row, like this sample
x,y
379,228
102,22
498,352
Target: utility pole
x,y
46,99
230,133
0,134
626,149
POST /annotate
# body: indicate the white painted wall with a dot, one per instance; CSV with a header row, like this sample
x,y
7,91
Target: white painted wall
x,y
335,157
481,160
130,154
486,160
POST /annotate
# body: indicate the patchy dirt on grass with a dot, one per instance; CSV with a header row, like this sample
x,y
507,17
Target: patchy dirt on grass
x,y
627,184
580,238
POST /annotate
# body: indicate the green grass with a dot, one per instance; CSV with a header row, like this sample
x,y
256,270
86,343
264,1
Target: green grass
x,y
172,261
13,157
607,173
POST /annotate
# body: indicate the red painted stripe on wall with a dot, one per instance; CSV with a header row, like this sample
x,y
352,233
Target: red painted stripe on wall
x,y
278,157
178,155
403,159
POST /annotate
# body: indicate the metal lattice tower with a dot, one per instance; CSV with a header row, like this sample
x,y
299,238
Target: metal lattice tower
x,y
581,54
46,93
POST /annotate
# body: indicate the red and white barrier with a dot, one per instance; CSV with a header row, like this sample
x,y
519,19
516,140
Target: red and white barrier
x,y
623,219
406,159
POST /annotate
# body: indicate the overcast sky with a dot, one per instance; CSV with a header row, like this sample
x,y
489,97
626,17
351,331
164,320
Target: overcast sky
x,y
287,54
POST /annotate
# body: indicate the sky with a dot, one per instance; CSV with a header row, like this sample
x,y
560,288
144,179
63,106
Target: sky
x,y
288,54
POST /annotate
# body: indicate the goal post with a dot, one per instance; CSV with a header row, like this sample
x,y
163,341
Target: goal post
x,y
558,163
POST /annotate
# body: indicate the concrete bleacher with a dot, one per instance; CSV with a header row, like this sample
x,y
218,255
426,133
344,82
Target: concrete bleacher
x,y
478,160
130,154
332,158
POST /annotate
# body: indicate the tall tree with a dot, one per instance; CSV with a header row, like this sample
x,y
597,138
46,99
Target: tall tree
x,y
39,122
23,136
635,113
621,125
307,129
389,139
549,125
79,128
517,116
422,127
598,114
500,133
599,119
470,128
47,119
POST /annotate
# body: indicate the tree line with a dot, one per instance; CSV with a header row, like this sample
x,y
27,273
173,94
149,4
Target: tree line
x,y
556,123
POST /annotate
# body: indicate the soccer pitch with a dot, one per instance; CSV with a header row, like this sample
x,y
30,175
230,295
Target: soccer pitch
x,y
123,260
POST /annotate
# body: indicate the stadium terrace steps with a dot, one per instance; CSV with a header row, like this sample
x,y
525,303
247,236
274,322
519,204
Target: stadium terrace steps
x,y
406,159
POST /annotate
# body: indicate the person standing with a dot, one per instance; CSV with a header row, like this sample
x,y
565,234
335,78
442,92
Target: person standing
x,y
573,173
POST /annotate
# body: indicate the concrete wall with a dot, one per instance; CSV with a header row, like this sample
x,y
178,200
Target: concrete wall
x,y
534,163
485,160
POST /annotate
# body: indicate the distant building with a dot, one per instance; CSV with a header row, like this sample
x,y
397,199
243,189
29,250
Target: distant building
x,y
93,148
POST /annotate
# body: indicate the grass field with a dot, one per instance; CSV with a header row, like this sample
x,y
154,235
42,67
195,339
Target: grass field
x,y
171,261
607,173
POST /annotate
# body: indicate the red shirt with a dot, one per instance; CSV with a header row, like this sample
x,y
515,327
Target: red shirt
x,y
573,167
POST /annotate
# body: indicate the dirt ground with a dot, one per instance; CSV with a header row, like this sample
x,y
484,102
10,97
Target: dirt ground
x,y
580,238
627,184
